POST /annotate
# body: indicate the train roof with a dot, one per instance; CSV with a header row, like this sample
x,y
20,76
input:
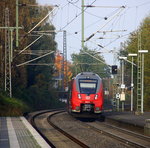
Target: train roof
x,y
87,75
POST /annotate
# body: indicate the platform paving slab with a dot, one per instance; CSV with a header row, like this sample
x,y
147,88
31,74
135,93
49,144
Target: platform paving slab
x,y
129,117
17,132
4,139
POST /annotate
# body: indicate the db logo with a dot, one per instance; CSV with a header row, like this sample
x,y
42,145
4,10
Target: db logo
x,y
87,97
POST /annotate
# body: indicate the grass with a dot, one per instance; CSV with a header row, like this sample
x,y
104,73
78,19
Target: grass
x,y
11,106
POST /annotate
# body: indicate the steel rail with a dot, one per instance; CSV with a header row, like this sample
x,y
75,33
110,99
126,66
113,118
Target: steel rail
x,y
146,138
65,133
119,138
32,121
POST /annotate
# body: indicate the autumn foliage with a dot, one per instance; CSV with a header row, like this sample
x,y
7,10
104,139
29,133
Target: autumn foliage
x,y
62,71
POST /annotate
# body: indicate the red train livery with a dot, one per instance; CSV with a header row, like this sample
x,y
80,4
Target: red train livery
x,y
86,94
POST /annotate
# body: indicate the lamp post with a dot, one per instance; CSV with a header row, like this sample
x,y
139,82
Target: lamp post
x,y
132,84
122,96
142,52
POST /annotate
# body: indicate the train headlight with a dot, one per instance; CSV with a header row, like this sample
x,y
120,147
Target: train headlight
x,y
77,108
96,97
97,108
79,96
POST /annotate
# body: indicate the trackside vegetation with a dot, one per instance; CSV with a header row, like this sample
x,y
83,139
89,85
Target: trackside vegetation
x,y
33,84
11,106
132,46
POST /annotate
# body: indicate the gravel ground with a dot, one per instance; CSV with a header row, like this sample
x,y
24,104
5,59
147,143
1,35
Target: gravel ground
x,y
81,131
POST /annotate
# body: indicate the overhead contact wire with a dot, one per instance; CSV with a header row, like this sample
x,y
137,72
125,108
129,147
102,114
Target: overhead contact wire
x,y
76,17
103,26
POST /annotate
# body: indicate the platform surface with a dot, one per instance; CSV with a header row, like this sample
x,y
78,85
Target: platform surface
x,y
129,117
16,132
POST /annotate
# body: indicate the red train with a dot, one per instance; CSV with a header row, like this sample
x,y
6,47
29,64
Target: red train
x,y
86,94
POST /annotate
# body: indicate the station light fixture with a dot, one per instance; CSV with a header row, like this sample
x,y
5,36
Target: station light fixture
x,y
122,58
143,51
132,54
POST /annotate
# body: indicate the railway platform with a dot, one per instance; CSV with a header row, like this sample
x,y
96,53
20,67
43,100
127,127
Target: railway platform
x,y
130,120
16,132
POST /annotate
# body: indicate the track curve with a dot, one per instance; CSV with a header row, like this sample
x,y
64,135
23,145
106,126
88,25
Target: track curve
x,y
54,136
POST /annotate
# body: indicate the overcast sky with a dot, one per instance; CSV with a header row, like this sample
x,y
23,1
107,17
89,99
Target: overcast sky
x,y
109,21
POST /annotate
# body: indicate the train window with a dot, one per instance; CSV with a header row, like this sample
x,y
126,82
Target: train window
x,y
87,86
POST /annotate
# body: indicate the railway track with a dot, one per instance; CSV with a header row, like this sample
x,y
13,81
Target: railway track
x,y
54,136
123,135
58,136
32,118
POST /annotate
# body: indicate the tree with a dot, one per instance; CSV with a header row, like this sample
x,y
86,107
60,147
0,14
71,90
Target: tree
x,y
59,69
83,62
131,46
33,84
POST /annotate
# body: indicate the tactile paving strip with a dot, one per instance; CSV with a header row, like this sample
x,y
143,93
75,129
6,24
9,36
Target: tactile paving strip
x,y
25,139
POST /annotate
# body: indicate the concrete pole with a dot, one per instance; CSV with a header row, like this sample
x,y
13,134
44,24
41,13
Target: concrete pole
x,y
132,55
132,85
142,93
122,83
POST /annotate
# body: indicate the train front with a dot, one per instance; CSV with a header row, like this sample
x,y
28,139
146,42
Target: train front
x,y
87,94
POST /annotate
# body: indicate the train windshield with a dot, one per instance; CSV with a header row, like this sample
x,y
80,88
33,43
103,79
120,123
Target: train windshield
x,y
87,86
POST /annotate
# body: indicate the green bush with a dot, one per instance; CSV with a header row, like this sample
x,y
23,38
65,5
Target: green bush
x,y
11,106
